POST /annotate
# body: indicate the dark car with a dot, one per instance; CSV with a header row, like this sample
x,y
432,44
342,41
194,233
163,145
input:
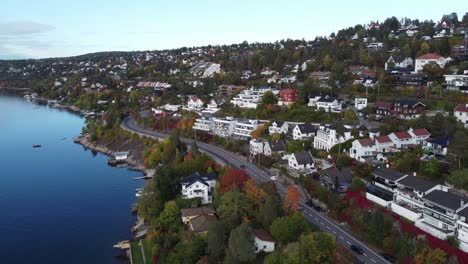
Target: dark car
x,y
309,203
357,249
242,166
388,257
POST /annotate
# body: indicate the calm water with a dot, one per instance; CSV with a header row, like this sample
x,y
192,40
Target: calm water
x,y
59,203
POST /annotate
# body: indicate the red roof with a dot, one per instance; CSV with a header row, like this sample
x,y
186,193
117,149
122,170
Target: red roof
x,y
262,235
421,132
402,135
430,56
383,139
462,108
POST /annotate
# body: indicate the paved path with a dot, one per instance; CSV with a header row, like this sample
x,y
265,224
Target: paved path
x,y
317,218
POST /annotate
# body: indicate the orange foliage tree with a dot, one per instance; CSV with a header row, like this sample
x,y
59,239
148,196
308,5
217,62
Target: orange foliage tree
x,y
253,193
292,198
232,179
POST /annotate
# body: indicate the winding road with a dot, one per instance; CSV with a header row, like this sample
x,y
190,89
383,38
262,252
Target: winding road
x,y
317,218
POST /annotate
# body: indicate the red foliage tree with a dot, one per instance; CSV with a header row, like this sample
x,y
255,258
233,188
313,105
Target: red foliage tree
x,y
234,178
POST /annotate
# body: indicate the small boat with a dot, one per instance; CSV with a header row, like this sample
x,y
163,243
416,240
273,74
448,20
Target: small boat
x,y
36,146
139,193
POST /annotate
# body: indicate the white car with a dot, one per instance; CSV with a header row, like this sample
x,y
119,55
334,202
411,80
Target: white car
x,y
274,178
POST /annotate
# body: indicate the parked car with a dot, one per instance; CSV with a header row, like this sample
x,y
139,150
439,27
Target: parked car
x,y
242,166
274,178
388,257
357,249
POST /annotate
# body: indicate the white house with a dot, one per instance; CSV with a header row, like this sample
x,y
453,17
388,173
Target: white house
x,y
327,137
250,98
244,128
362,149
405,63
326,103
224,127
257,146
440,213
272,147
360,103
278,127
462,229
213,106
428,58
203,124
199,186
461,114
401,139
265,147
301,161
303,132
420,136
263,241
456,82
194,103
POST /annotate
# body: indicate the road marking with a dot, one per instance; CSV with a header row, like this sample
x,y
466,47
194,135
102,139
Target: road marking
x,y
373,260
328,227
348,242
365,254
334,232
316,219
342,237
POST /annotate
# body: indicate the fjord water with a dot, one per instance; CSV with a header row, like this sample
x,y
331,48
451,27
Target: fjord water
x,y
58,203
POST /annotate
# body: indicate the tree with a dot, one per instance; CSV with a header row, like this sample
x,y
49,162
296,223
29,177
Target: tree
x,y
431,169
275,258
234,179
269,98
429,256
215,242
459,178
433,69
170,214
457,148
232,207
269,211
357,185
241,244
260,131
288,228
327,62
317,248
292,198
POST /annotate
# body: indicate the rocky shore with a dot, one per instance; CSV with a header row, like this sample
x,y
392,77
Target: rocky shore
x,y
133,161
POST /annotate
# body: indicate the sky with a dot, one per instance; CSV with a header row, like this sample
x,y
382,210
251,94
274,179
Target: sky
x,y
58,28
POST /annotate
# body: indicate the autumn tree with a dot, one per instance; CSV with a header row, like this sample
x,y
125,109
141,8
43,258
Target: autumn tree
x,y
260,131
269,98
235,178
430,256
292,198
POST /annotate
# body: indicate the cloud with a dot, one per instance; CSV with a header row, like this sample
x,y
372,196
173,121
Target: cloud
x,y
24,28
23,39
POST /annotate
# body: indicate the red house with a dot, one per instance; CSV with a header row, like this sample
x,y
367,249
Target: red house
x,y
287,96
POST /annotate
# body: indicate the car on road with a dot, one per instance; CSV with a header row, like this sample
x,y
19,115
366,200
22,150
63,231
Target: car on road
x,y
242,166
388,257
274,178
357,249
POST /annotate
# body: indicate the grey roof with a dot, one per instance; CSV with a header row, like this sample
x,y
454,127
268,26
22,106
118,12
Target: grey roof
x,y
278,123
306,128
389,174
197,211
203,178
304,157
343,175
417,183
277,145
202,223
445,199
464,212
